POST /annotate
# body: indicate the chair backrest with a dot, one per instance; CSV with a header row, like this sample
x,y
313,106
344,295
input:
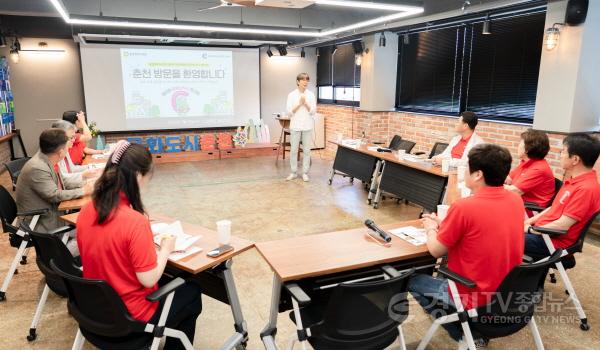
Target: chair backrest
x,y
557,185
50,247
365,311
513,304
578,245
97,307
405,145
8,210
14,168
395,142
438,148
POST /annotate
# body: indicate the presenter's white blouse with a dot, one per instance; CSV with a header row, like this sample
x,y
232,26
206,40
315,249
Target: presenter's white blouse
x,y
303,119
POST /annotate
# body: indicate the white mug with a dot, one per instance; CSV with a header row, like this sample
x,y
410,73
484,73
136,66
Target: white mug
x,y
445,165
224,231
442,211
400,153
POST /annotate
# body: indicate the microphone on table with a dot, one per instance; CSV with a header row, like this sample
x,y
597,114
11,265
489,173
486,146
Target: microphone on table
x,y
382,234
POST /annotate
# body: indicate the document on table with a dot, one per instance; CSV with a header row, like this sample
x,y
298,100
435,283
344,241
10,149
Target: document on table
x,y
99,156
351,143
97,166
411,234
184,242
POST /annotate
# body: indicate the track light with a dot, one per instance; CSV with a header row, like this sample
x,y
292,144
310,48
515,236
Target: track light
x,y
302,53
282,50
14,50
487,25
382,40
269,52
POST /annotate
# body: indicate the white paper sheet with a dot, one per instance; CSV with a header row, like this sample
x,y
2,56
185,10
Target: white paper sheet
x,y
183,240
411,234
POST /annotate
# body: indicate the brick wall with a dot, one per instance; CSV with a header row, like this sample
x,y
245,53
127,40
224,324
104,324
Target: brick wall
x,y
425,130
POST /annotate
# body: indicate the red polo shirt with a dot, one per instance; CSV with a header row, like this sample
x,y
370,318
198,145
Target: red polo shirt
x,y
459,148
535,179
579,199
76,152
116,250
485,240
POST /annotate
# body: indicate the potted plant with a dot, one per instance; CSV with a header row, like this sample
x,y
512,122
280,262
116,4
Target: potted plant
x,y
97,141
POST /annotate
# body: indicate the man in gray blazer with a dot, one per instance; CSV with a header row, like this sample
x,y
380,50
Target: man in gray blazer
x,y
40,186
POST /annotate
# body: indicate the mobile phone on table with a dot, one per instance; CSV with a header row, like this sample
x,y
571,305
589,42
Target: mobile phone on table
x,y
219,251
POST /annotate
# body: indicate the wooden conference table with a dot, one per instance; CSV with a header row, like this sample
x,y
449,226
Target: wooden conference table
x,y
317,262
213,274
78,203
418,182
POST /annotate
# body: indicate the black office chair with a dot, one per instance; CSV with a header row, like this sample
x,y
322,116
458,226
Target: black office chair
x,y
50,246
395,142
437,148
567,261
359,316
510,309
405,145
14,169
536,208
104,320
17,238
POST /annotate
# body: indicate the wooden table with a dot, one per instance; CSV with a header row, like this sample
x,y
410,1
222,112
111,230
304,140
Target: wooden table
x,y
331,258
418,182
214,274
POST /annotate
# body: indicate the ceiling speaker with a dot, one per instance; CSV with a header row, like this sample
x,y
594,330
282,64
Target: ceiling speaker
x,y
576,12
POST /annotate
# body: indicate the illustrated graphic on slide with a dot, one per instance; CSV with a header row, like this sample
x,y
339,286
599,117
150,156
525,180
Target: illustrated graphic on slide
x,y
176,83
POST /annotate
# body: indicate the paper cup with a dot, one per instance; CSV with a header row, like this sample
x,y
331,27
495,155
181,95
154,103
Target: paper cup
x,y
445,165
442,211
460,173
224,231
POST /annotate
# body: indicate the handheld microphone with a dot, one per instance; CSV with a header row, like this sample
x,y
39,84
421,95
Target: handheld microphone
x,y
382,234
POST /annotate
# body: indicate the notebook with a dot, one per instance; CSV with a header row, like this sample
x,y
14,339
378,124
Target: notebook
x,y
184,242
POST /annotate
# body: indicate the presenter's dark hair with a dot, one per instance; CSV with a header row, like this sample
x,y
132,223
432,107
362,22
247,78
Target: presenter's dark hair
x,y
302,76
469,118
121,178
585,146
70,116
493,161
536,143
52,139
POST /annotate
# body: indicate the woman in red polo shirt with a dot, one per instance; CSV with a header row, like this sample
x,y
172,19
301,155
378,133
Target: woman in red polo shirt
x,y
116,243
532,178
79,148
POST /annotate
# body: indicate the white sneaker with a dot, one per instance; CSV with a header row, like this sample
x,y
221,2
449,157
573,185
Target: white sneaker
x,y
305,178
291,177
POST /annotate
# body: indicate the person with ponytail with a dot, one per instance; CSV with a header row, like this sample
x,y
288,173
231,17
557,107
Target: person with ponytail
x,y
116,243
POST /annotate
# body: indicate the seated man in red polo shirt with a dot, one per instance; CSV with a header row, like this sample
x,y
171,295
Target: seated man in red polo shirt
x,y
481,235
79,148
461,144
577,200
533,179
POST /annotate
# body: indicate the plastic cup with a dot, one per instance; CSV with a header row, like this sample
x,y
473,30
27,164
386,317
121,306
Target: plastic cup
x,y
445,165
224,231
442,211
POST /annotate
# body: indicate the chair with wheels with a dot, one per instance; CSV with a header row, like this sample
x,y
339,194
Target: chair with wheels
x,y
104,320
510,309
50,246
17,238
14,169
359,316
567,261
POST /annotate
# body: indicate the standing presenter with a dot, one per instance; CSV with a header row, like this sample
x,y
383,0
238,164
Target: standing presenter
x,y
301,107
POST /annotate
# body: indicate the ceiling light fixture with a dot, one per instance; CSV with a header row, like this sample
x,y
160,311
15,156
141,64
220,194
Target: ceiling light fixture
x,y
282,50
269,52
358,59
14,50
487,26
382,40
405,11
302,53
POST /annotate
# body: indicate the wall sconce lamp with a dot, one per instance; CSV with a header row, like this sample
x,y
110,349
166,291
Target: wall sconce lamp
x,y
552,36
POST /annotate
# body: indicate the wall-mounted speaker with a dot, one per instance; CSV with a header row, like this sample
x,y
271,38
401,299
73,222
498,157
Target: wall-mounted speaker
x,y
576,12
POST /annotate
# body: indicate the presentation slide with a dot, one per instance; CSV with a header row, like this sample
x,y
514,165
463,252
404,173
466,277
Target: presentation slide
x,y
149,88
